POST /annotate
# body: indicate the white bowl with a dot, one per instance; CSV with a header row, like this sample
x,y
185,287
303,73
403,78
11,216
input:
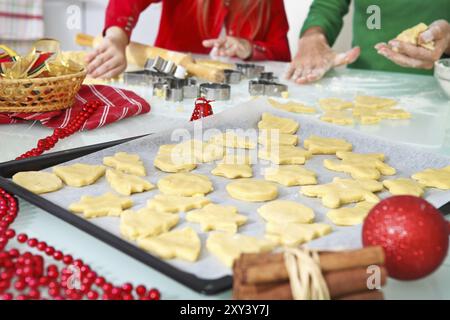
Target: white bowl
x,y
442,74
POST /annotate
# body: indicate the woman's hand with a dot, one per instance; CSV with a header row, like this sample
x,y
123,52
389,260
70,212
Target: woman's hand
x,y
410,56
315,58
230,47
108,59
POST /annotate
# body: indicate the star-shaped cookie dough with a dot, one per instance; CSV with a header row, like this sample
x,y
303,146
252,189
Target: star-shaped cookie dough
x,y
182,244
343,191
291,106
404,186
294,234
126,184
334,104
231,139
284,125
38,182
173,203
228,247
217,217
350,216
290,175
434,178
286,212
146,223
270,137
79,174
321,145
360,166
101,206
170,159
127,163
284,154
343,117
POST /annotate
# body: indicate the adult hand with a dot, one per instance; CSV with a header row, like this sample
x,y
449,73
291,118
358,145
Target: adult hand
x,y
412,56
230,47
108,59
315,58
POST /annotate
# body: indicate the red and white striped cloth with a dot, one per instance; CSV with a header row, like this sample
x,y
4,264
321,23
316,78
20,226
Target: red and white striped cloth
x,y
118,104
21,19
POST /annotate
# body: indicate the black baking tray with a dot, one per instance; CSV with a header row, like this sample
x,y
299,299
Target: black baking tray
x,y
8,169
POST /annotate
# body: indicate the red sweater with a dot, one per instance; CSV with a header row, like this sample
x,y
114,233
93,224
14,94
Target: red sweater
x,y
179,29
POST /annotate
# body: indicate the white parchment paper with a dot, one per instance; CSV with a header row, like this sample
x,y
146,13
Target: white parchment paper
x,y
406,159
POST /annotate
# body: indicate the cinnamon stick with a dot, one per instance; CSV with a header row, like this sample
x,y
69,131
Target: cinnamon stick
x,y
366,295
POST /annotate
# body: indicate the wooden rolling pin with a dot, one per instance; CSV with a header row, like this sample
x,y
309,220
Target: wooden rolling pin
x,y
138,54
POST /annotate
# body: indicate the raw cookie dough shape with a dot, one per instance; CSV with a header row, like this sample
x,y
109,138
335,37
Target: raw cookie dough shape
x,y
320,145
233,171
294,234
174,204
393,114
146,223
252,190
411,36
284,211
291,106
196,151
404,186
343,191
38,182
168,159
360,166
79,174
230,139
350,216
434,178
217,217
284,154
284,125
182,244
228,247
334,104
107,204
366,116
127,163
290,175
185,184
270,137
374,102
126,184
339,117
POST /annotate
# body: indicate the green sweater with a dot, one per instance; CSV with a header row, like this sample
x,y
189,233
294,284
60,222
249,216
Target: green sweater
x,y
395,16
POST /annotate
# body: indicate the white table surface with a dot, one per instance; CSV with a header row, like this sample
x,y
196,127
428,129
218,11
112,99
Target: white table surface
x,y
429,129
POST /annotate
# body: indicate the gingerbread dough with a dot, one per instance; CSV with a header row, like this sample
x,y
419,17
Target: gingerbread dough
x,y
107,204
412,35
217,217
185,184
334,104
146,223
286,212
284,125
182,244
284,154
339,117
351,216
404,186
38,182
252,190
434,178
228,247
294,234
126,184
230,139
169,159
127,163
174,204
343,191
320,145
290,175
270,137
291,106
79,174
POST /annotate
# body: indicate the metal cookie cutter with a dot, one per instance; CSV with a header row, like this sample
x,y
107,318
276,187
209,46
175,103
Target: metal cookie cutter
x,y
141,77
250,71
173,94
159,64
232,76
268,76
215,91
191,89
169,68
266,88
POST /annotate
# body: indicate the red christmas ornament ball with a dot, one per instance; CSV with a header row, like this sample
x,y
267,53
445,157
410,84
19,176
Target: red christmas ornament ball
x,y
414,235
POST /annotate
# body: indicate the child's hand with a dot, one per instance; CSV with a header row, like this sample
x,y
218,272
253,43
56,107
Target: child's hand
x,y
230,47
108,59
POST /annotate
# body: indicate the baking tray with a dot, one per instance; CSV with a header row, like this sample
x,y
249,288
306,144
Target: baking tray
x,y
8,169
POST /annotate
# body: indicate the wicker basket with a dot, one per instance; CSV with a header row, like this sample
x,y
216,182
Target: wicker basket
x,y
40,94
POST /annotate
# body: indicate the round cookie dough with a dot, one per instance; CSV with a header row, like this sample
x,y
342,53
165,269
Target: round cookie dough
x,y
38,182
252,190
185,184
284,211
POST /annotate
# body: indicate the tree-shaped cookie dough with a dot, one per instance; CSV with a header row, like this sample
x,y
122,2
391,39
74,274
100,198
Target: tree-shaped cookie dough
x,y
321,145
182,244
350,216
217,217
79,174
286,212
290,175
126,184
343,191
127,163
228,247
404,186
294,234
174,204
284,125
146,223
434,178
101,206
